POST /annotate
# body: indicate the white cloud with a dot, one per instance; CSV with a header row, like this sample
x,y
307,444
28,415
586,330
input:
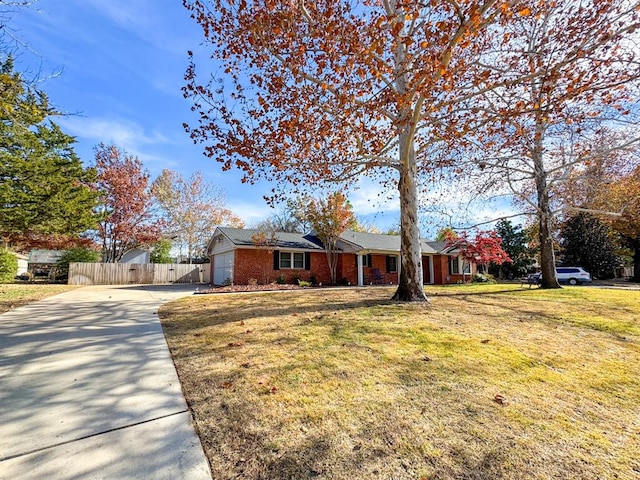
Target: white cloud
x,y
369,197
126,134
250,212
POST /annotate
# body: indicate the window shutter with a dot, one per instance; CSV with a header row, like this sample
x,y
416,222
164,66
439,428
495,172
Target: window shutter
x,y
370,260
356,255
388,261
276,259
307,260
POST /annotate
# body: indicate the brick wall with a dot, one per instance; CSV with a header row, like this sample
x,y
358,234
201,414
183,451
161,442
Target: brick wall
x,y
441,271
258,264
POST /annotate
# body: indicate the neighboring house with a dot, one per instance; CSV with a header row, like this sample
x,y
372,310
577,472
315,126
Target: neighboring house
x,y
136,255
23,264
364,259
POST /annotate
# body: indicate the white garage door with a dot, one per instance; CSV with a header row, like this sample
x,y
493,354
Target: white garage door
x,y
222,268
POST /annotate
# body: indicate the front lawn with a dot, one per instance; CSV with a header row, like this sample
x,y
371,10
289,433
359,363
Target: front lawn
x,y
486,382
13,295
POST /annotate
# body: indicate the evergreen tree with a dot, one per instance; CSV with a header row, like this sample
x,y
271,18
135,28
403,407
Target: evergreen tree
x,y
43,185
586,242
161,251
515,243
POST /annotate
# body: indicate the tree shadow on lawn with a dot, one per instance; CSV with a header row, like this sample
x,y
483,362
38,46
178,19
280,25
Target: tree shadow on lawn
x,y
216,314
387,446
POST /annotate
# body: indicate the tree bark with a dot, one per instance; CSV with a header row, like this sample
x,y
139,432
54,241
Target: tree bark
x,y
545,217
410,284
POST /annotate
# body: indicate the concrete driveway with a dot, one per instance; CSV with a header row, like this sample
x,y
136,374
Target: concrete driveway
x,y
88,389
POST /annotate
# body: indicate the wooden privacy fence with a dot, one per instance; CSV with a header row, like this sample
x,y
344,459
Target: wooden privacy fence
x,y
136,273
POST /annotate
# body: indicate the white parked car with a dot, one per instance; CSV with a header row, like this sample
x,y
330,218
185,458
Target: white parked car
x,y
572,275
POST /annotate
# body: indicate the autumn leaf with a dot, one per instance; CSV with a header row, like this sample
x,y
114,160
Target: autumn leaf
x,y
525,12
500,399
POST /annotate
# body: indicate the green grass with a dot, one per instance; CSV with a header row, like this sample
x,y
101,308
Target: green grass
x,y
343,384
13,295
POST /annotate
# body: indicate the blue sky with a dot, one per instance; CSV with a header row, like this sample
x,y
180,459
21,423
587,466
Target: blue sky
x,y
117,67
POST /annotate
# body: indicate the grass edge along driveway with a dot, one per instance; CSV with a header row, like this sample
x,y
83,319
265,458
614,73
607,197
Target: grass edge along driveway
x,y
14,295
485,382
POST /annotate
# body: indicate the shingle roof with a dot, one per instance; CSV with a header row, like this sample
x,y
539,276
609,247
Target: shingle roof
x,y
352,241
45,256
376,241
241,236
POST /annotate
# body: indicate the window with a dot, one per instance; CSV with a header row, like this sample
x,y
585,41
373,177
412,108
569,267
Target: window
x,y
366,261
292,260
392,264
285,259
455,264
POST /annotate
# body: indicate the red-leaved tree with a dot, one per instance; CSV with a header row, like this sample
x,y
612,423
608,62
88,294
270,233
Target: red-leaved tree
x,y
484,248
126,219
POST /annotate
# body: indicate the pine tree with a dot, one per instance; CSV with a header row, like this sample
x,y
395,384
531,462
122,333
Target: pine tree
x,y
586,242
44,188
515,243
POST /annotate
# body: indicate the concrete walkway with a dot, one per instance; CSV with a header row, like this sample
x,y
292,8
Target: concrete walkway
x,y
88,389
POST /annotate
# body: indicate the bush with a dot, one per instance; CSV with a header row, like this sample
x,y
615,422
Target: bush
x,y
8,266
303,283
79,255
281,280
161,252
483,278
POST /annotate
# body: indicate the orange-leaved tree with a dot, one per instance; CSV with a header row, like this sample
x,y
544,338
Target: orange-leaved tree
x,y
329,218
619,202
192,209
317,91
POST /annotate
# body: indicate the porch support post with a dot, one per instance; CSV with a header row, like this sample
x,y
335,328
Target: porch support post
x,y
431,270
360,271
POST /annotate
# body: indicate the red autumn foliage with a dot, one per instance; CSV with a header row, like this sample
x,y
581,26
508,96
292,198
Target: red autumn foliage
x,y
484,248
126,220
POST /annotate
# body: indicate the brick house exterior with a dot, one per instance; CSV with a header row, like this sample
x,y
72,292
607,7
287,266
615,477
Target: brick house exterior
x,y
364,259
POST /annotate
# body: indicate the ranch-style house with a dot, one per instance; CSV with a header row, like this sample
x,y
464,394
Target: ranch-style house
x,y
363,259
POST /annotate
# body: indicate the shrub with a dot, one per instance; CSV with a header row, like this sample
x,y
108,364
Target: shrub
x,y
483,278
302,283
252,281
79,255
161,252
281,280
8,266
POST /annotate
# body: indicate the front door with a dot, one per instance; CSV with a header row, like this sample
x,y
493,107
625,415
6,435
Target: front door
x,y
426,270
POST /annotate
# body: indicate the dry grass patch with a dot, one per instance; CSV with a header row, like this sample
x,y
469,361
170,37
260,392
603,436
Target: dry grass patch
x,y
486,382
13,295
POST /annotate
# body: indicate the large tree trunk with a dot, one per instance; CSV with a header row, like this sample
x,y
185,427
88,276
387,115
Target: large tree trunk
x,y
410,284
545,218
